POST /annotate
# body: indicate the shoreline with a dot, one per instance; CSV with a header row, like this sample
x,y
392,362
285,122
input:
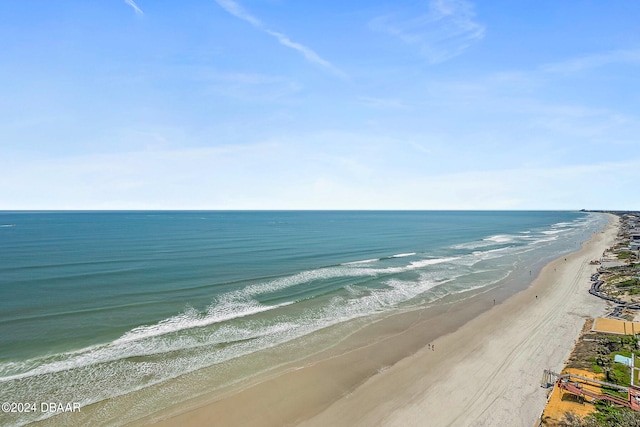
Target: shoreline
x,y
488,372
387,373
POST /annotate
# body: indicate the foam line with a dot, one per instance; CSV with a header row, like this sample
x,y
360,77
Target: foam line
x,y
403,255
364,261
192,318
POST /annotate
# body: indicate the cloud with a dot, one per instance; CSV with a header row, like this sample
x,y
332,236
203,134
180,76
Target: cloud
x,y
238,11
134,6
446,30
310,55
593,61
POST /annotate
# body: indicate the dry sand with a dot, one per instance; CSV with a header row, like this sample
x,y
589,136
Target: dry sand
x,y
484,370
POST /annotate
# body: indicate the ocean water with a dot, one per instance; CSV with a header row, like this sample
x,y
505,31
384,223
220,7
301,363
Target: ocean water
x,y
96,305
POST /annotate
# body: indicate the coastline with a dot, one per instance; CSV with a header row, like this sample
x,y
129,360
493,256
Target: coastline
x,y
385,373
488,372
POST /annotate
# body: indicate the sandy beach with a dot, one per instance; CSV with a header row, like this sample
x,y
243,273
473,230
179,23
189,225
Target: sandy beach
x,y
482,366
488,372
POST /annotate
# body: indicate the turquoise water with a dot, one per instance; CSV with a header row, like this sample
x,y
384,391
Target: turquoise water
x,y
98,304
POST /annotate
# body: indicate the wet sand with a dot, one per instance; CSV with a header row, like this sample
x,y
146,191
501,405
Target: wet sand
x,y
484,367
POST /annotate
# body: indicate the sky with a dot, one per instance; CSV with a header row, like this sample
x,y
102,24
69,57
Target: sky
x,y
281,104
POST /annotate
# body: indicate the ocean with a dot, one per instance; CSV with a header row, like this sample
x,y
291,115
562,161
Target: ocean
x,y
101,306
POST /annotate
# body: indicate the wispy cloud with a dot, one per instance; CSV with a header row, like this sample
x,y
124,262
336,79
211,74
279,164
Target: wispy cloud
x,y
443,32
593,61
310,55
238,11
134,6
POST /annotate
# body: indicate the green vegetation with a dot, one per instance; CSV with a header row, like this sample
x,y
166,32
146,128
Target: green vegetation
x,y
610,416
620,374
619,344
606,416
624,255
629,286
628,283
595,365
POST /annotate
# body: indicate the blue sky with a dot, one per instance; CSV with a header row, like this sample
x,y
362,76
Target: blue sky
x,y
276,104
